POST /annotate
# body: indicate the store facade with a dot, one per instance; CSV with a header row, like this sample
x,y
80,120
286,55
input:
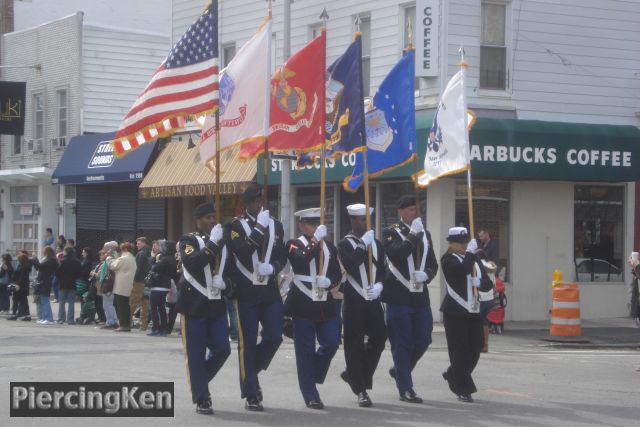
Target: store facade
x,y
551,195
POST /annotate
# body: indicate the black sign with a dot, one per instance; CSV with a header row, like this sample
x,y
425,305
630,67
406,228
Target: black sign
x,y
12,107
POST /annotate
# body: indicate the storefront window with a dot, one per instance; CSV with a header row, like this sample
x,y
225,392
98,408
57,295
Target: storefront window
x,y
309,197
24,210
598,233
491,217
391,193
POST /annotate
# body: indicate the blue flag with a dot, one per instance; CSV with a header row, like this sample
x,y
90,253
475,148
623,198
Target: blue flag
x,y
390,125
344,123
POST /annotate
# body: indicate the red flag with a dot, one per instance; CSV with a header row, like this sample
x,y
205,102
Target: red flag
x,y
297,103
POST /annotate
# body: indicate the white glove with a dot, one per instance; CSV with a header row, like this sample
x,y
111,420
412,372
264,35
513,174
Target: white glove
x,y
265,269
323,282
375,291
475,282
416,226
472,246
420,276
368,237
263,218
321,232
218,283
216,234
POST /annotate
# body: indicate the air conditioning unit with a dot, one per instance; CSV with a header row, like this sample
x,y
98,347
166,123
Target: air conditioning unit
x,y
38,146
30,144
59,142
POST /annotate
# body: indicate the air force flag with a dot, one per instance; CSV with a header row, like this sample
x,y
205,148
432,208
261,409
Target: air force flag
x,y
390,125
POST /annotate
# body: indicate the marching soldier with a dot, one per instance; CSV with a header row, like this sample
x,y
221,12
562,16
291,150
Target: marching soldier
x,y
204,321
311,305
462,271
256,242
362,310
409,318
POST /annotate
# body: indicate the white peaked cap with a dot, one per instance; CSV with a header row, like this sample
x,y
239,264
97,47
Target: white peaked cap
x,y
458,231
358,209
308,213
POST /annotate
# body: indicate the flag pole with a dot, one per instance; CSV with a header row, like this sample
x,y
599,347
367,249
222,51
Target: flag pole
x,y
218,198
415,159
464,66
324,16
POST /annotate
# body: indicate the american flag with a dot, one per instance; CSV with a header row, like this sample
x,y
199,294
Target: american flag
x,y
184,86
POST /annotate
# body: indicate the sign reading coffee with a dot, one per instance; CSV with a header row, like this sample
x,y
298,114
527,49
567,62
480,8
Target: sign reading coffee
x,y
12,107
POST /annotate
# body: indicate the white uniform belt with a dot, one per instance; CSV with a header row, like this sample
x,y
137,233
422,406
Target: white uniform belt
x,y
297,280
207,271
254,256
399,276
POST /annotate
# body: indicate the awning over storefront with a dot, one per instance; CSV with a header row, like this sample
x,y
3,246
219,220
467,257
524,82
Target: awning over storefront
x,y
178,172
89,159
516,149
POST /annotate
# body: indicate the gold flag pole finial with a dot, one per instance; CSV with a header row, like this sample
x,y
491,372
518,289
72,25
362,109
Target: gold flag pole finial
x,y
325,17
409,34
270,8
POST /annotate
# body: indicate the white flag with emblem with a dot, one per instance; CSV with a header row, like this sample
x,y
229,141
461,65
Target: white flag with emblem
x,y
244,97
448,143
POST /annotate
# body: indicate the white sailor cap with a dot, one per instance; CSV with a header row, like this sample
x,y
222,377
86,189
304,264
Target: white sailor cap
x,y
358,209
458,234
309,215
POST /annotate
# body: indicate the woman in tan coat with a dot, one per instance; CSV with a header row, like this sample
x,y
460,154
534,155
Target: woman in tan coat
x,y
125,268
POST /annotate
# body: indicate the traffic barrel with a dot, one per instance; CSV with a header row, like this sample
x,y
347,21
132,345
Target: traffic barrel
x,y
565,311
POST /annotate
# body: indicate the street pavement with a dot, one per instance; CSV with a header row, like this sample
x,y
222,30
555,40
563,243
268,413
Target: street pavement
x,y
523,380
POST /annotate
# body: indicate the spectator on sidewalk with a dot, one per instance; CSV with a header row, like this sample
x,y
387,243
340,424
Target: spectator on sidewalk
x,y
163,271
49,239
67,273
6,271
46,267
20,280
72,244
137,298
108,303
125,268
488,246
94,281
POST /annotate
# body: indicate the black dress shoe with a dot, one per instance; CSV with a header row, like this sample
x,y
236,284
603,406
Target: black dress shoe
x,y
445,376
465,398
410,396
344,376
204,407
315,404
253,404
364,401
258,390
392,372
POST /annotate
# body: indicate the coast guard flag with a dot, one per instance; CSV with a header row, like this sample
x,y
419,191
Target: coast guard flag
x,y
184,86
344,106
390,125
448,144
244,97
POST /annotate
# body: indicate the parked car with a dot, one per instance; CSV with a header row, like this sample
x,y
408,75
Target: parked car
x,y
597,270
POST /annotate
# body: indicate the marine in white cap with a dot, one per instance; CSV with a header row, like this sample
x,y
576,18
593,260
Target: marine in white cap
x,y
310,304
362,310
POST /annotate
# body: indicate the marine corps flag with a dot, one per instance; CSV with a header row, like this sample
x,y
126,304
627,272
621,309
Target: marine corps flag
x,y
390,125
297,103
448,144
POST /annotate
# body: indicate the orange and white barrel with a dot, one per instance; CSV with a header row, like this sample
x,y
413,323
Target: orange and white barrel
x,y
565,311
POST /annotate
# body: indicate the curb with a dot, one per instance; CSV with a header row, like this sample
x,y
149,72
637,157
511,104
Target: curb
x,y
592,346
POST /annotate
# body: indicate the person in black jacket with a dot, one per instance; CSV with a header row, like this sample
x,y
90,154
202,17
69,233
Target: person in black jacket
x,y
412,265
204,312
363,314
163,270
310,304
465,276
67,273
42,285
6,270
20,296
255,240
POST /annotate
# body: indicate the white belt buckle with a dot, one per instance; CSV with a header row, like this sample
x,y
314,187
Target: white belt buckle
x,y
213,293
415,286
258,279
318,293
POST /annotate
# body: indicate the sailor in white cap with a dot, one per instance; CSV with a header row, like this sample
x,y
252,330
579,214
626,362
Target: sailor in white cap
x,y
362,310
310,304
461,310
409,318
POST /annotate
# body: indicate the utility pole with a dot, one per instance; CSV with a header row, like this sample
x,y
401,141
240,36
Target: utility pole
x,y
6,20
285,182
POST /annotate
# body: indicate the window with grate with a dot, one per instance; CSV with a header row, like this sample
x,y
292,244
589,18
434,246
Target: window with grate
x,y
493,48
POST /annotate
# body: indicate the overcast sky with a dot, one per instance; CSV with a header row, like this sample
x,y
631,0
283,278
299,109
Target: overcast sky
x,y
148,15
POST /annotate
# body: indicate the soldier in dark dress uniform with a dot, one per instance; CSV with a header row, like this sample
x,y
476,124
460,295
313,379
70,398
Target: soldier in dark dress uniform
x,y
362,309
311,305
255,241
204,321
409,318
461,311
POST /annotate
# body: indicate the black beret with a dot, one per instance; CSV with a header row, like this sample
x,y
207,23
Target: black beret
x,y
406,201
203,209
253,192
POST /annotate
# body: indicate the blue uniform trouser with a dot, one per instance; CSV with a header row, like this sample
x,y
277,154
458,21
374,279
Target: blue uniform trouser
x,y
254,357
199,335
409,335
313,364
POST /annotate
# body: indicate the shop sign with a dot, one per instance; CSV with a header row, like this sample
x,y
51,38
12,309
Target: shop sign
x,y
26,210
426,36
194,190
12,104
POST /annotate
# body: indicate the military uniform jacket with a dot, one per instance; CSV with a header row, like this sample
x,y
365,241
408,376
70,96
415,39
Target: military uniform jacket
x,y
247,249
399,245
455,268
298,304
355,260
190,300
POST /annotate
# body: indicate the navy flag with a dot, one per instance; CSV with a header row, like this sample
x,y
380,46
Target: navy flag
x,y
390,125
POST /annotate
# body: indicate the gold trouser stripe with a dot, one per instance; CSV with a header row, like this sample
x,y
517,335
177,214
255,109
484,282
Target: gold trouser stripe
x,y
183,327
240,342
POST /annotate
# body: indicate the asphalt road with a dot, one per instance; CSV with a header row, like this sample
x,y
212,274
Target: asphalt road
x,y
522,381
